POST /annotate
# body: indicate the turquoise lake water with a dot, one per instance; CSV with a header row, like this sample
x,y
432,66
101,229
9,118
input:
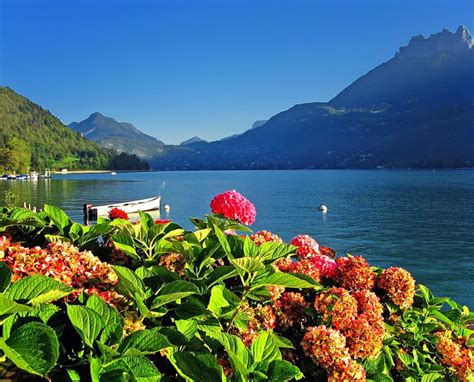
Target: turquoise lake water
x,y
421,220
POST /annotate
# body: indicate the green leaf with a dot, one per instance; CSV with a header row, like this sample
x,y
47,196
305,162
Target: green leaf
x,y
247,265
237,352
113,322
222,237
405,358
57,216
43,313
286,280
202,234
250,248
198,367
432,377
139,368
187,327
73,375
8,306
129,283
173,335
173,291
282,342
264,350
86,321
155,276
280,371
173,233
146,341
37,290
193,307
32,347
126,244
222,298
425,293
95,369
75,231
272,251
5,276
220,274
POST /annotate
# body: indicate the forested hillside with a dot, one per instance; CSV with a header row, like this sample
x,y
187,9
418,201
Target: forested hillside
x,y
32,138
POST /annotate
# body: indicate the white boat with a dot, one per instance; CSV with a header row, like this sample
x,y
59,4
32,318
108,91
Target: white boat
x,y
150,204
34,175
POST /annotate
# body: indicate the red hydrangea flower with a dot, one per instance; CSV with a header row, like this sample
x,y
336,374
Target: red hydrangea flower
x,y
364,339
233,205
303,266
327,251
327,266
324,345
455,355
162,221
355,273
346,369
399,285
306,245
265,237
369,305
290,309
336,306
117,213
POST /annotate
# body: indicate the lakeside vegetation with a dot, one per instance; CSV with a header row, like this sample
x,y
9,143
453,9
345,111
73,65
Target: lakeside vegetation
x,y
149,301
31,138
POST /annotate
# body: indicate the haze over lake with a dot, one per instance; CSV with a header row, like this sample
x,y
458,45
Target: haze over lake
x,y
421,220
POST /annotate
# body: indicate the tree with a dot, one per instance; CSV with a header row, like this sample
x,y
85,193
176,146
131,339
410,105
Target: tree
x,y
16,156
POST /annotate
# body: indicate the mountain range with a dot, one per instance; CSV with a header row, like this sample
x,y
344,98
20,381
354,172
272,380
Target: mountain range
x,y
415,110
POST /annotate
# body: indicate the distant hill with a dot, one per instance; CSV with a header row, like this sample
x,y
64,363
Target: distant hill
x,y
121,136
31,136
191,141
415,110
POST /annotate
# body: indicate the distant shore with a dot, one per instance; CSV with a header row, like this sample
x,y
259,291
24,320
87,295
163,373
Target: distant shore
x,y
82,172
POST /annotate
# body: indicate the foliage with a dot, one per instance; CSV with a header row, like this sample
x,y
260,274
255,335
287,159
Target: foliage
x,y
10,199
163,303
31,137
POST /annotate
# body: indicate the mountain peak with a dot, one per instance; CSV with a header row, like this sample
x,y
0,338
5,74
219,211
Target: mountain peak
x,y
121,136
444,42
465,36
192,140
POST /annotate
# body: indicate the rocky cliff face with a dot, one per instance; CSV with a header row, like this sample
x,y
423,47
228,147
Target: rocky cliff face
x,y
444,42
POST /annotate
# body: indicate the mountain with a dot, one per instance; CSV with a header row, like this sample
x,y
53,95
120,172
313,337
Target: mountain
x,y
32,137
259,123
415,110
121,136
191,141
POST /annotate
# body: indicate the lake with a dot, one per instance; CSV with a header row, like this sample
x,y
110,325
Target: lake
x,y
420,220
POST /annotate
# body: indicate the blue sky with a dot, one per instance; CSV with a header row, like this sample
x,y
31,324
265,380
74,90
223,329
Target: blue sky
x,y
177,69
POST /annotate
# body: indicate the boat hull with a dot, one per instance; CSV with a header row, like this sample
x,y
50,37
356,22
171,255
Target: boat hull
x,y
131,207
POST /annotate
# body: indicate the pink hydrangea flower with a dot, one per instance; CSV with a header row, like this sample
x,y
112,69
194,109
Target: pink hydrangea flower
x,y
233,205
327,266
306,245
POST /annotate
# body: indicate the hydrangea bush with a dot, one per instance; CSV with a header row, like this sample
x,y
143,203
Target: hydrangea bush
x,y
149,301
